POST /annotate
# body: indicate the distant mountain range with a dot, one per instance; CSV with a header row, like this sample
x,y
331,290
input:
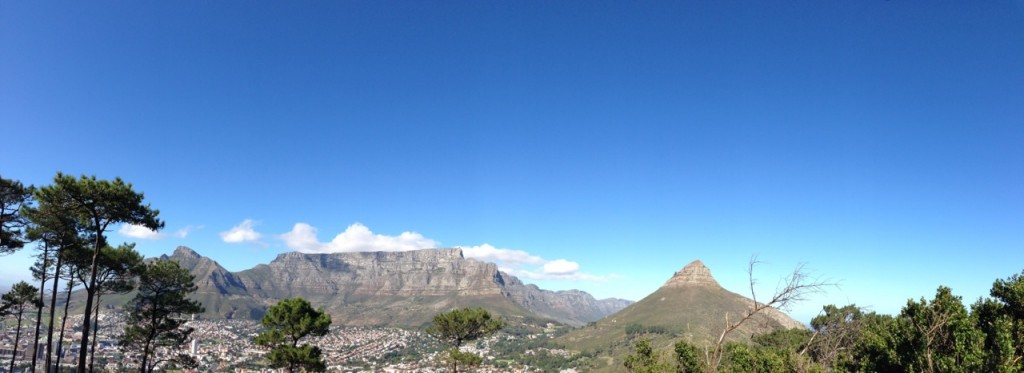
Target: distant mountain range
x,y
404,289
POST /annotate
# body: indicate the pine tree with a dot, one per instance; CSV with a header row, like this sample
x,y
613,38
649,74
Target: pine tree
x,y
118,267
13,196
288,322
158,313
459,326
53,224
22,296
96,204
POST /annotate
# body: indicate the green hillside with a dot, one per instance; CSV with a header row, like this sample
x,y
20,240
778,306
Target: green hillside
x,y
690,306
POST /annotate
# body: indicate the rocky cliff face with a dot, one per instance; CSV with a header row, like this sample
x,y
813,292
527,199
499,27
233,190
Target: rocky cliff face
x,y
413,273
384,288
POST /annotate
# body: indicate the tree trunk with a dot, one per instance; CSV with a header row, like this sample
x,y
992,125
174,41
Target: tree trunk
x,y
143,368
39,321
39,309
17,337
53,312
95,331
64,322
928,355
89,290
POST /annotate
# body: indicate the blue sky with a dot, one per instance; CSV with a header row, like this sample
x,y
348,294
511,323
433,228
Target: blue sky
x,y
591,145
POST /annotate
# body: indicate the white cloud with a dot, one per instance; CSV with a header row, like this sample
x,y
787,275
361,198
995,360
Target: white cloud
x,y
355,238
568,276
523,264
519,262
140,232
560,267
503,257
241,233
184,232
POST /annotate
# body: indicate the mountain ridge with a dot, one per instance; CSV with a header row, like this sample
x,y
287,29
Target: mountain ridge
x,y
383,288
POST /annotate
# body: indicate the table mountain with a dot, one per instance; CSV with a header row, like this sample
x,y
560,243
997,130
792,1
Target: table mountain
x,y
384,288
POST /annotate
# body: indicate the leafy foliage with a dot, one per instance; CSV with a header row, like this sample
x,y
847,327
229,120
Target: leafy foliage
x,y
646,360
939,335
936,335
20,297
13,197
1002,320
53,221
461,325
455,357
117,269
307,357
287,322
688,357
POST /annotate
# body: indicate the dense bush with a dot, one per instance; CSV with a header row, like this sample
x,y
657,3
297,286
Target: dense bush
x,y
937,335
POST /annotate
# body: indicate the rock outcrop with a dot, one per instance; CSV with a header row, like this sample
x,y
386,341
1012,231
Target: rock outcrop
x,y
693,274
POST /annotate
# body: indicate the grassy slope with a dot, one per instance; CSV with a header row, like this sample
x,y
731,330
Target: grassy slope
x,y
696,314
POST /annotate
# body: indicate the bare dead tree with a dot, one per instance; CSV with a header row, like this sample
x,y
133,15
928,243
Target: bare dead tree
x,y
933,331
836,329
792,289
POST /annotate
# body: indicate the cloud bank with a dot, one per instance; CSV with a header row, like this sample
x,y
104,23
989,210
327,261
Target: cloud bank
x,y
355,238
358,238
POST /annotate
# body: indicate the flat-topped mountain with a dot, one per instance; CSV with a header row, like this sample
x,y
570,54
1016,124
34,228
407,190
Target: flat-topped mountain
x,y
691,306
384,288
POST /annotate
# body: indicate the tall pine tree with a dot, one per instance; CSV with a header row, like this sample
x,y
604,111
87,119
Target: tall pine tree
x,y
97,204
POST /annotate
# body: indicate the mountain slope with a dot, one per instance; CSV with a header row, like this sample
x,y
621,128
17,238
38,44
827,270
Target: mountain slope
x,y
691,305
573,307
221,292
383,288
